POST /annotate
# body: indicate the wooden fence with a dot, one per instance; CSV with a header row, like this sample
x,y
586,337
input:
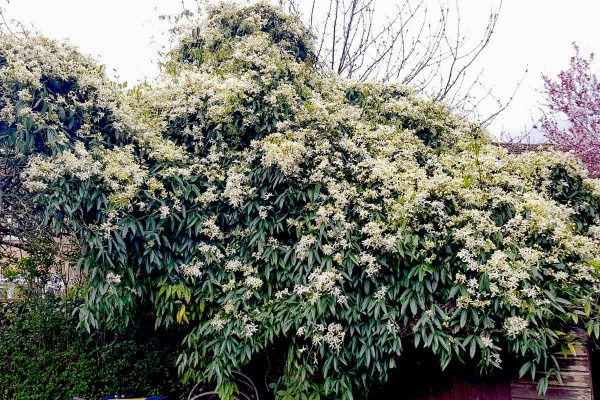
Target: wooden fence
x,y
429,384
575,372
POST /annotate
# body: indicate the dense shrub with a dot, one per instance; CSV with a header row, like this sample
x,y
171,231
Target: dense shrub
x,y
43,355
317,222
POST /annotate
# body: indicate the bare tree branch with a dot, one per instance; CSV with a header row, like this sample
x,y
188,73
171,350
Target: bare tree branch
x,y
410,43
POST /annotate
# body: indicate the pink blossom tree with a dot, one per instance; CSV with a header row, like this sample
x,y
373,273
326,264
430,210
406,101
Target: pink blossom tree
x,y
572,119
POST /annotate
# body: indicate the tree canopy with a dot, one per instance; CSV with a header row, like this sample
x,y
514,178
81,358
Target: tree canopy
x,y
274,209
571,120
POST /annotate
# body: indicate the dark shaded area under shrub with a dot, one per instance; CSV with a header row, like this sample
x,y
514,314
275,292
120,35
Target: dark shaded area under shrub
x,y
43,355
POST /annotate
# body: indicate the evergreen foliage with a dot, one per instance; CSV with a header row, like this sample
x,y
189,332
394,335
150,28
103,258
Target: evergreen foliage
x,y
43,355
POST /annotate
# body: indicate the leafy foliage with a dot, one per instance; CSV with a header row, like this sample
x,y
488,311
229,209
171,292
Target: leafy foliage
x,y
324,222
44,356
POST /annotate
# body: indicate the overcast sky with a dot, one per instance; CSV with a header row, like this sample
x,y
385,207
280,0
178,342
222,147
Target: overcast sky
x,y
531,34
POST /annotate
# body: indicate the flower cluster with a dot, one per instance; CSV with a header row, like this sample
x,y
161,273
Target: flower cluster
x,y
332,335
112,278
515,325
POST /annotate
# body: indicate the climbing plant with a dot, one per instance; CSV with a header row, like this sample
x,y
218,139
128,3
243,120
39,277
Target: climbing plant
x,y
271,209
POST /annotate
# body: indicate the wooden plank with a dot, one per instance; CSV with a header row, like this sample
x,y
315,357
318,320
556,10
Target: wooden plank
x,y
572,359
529,391
523,391
488,390
447,388
575,364
573,379
567,393
581,349
460,388
503,389
569,378
447,393
575,374
579,366
473,389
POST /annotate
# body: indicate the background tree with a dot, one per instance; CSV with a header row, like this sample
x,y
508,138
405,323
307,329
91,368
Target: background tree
x,y
405,41
572,119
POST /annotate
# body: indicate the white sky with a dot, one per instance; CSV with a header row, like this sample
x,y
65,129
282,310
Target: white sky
x,y
535,34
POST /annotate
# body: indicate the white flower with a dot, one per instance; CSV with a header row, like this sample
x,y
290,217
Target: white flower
x,y
486,341
210,228
193,270
210,250
209,196
229,307
324,281
236,188
301,289
217,323
229,285
253,282
112,278
304,245
280,294
333,336
286,154
496,358
370,262
328,249
515,325
392,326
233,265
250,329
380,294
164,211
263,212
